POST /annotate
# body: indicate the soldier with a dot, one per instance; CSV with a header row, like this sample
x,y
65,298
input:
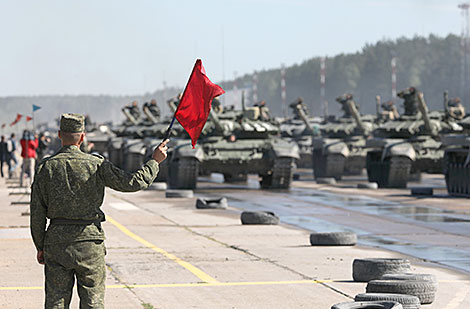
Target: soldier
x,y
455,109
410,95
390,111
343,99
152,109
217,106
69,190
133,110
264,113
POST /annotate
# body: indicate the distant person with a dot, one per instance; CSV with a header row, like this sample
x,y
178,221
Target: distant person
x,y
29,144
264,113
152,111
3,154
217,106
11,156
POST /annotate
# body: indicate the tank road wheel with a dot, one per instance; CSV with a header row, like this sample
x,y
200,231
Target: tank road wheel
x,y
331,165
240,177
280,176
394,172
183,173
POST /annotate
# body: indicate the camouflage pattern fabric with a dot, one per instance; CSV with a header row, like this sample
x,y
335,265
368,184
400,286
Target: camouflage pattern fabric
x,y
72,123
70,185
85,260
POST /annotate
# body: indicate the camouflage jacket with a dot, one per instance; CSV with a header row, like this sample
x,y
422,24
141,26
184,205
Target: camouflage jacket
x,y
71,185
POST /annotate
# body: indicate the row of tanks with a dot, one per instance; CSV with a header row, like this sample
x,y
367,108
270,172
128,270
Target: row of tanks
x,y
393,148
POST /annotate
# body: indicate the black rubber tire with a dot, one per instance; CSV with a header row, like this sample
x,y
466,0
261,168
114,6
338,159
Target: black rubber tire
x,y
427,191
425,291
333,239
407,301
365,270
280,176
179,193
410,276
183,173
368,305
211,203
259,217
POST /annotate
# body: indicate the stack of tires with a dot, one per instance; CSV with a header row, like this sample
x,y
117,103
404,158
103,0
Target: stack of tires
x,y
390,281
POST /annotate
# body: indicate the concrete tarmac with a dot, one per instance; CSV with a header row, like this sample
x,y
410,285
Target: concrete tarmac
x,y
164,253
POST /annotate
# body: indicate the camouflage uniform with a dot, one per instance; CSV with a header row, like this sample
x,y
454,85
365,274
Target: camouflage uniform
x,y
69,189
410,96
153,109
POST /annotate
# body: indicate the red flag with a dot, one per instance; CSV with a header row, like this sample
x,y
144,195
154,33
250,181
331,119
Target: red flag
x,y
28,118
18,118
195,104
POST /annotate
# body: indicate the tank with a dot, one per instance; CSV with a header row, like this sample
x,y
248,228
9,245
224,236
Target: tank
x,y
300,128
341,148
238,143
456,154
410,144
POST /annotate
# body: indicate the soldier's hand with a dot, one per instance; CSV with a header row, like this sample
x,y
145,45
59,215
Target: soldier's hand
x,y
159,154
40,257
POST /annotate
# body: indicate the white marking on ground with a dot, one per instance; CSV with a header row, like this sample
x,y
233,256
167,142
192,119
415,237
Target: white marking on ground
x,y
123,206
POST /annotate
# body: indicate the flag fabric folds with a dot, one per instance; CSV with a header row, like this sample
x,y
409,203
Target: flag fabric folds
x,y
28,118
195,104
17,119
35,107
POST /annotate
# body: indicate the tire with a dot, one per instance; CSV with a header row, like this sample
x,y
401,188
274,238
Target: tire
x,y
368,305
183,173
410,276
365,270
425,291
281,176
422,191
211,203
333,239
179,193
407,301
259,217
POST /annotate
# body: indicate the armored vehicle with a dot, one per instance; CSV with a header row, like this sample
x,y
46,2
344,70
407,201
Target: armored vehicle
x,y
341,148
457,153
238,143
301,129
409,144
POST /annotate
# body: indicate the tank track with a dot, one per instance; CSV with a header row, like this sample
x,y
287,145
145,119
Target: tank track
x,y
457,175
183,173
281,176
393,172
331,165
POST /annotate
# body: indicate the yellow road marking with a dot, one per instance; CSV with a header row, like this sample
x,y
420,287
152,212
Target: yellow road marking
x,y
196,271
182,285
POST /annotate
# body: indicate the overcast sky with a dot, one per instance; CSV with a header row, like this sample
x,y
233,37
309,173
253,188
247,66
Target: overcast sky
x,y
134,46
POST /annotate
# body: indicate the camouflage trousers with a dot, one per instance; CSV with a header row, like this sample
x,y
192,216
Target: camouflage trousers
x,y
83,260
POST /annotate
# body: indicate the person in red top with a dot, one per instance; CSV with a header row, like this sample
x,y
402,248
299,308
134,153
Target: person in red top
x,y
29,144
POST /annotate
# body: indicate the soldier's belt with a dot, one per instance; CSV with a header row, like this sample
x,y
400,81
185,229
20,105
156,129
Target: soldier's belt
x,y
74,222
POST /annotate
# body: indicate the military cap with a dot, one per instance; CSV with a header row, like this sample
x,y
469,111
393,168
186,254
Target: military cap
x,y
72,123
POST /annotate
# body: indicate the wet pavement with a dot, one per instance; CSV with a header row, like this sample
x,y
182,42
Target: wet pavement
x,y
427,232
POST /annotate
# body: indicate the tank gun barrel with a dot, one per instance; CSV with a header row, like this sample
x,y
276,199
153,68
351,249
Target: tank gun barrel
x,y
422,107
172,104
149,115
377,105
446,101
215,120
356,116
297,107
243,101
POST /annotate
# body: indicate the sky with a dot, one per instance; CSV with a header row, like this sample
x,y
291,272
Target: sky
x,y
129,47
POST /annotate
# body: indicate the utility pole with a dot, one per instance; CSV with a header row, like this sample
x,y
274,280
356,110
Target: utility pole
x,y
283,90
322,85
394,78
464,53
